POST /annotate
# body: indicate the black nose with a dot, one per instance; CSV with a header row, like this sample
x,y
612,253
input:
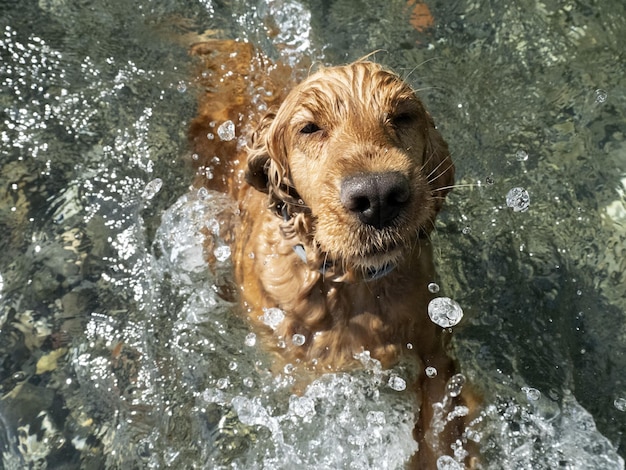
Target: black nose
x,y
375,198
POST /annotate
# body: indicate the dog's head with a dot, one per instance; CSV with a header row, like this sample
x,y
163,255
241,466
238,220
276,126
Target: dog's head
x,y
354,147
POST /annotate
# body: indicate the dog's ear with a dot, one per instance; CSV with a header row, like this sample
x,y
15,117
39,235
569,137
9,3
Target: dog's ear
x,y
438,165
259,159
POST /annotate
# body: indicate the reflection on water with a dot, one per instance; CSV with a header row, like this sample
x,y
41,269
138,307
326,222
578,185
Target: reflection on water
x,y
118,347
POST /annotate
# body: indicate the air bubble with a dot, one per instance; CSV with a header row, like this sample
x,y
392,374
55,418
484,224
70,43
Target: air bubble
x,y
445,312
181,87
620,404
223,383
431,372
518,199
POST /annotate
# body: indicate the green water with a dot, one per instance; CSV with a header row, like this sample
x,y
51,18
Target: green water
x,y
116,349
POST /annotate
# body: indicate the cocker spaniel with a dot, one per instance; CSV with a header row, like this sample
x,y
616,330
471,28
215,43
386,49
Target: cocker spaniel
x,y
338,184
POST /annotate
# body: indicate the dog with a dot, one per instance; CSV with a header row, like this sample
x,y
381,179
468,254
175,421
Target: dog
x,y
339,178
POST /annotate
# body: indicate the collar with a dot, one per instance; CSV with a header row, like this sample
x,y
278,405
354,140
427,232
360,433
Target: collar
x,y
369,274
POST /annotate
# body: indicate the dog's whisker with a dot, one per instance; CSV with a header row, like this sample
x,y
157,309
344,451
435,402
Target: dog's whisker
x,y
430,177
455,186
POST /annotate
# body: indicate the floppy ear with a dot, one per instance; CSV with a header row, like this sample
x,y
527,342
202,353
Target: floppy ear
x,y
438,165
259,159
267,169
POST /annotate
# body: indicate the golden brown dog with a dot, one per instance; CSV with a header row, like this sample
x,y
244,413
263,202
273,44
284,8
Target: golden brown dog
x,y
338,184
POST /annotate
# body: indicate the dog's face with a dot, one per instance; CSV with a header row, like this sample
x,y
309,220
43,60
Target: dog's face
x,y
355,145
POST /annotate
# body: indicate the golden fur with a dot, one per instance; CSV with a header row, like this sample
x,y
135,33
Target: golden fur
x,y
300,246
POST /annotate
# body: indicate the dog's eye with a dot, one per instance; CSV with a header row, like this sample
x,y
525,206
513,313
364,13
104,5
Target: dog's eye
x,y
403,120
310,128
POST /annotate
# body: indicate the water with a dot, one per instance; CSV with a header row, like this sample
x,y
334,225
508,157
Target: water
x,y
119,348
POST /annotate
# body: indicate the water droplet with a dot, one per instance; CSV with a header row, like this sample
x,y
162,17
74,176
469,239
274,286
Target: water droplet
x,y
232,365
298,339
601,96
431,372
203,194
445,312
18,376
222,253
195,156
433,287
521,155
152,188
210,136
250,339
466,230
518,199
409,346
272,317
397,383
226,131
248,382
181,87
532,394
455,385
446,462
288,369
223,383
620,404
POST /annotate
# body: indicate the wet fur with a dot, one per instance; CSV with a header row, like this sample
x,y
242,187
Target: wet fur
x,y
287,184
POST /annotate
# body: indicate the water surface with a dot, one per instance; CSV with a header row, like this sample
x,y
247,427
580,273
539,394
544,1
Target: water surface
x,y
117,346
